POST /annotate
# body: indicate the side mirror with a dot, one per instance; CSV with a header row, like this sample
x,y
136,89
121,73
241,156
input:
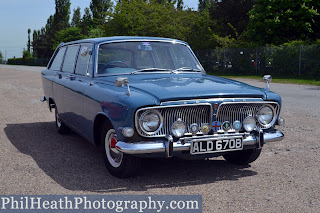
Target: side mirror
x,y
267,79
123,81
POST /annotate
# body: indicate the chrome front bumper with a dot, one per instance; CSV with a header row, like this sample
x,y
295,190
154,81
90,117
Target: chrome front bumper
x,y
168,147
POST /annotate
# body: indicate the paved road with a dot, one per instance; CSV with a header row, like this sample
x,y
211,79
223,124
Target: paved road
x,y
34,159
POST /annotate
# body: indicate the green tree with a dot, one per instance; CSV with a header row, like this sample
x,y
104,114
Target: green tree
x,y
62,15
42,40
140,18
26,54
76,18
204,5
95,33
278,21
99,9
1,57
86,21
29,40
231,21
69,34
180,5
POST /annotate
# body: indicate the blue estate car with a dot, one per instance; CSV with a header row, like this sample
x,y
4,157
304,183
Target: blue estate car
x,y
138,97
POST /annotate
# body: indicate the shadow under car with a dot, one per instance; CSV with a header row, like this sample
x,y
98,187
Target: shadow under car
x,y
75,164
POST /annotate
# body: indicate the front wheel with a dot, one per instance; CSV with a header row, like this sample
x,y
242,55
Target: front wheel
x,y
118,164
242,157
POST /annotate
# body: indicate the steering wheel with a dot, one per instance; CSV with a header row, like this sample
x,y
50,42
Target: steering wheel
x,y
112,64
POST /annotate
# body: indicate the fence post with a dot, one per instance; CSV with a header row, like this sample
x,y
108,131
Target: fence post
x,y
256,60
224,60
300,61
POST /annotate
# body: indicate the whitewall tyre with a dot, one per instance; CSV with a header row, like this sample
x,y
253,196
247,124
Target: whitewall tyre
x,y
118,164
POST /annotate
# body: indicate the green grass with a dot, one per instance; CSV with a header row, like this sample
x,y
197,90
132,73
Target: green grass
x,y
279,79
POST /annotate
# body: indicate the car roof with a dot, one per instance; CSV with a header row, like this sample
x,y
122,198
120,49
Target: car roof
x,y
121,38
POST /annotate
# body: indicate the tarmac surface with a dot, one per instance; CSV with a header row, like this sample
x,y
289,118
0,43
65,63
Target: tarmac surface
x,y
35,159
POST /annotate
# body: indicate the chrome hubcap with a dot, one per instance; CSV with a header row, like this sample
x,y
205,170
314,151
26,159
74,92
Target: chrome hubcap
x,y
113,155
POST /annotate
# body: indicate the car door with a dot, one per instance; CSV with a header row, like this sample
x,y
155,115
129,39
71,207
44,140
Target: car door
x,y
55,68
49,74
77,82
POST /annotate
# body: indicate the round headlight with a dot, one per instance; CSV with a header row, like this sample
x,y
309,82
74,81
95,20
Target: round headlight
x,y
265,115
178,128
249,124
150,122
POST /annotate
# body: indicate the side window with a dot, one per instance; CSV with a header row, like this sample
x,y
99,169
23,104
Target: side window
x,y
56,63
69,59
83,59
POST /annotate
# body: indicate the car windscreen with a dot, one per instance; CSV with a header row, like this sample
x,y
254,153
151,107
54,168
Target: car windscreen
x,y
128,57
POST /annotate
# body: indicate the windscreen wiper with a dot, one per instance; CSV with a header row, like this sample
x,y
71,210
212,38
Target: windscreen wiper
x,y
185,69
150,70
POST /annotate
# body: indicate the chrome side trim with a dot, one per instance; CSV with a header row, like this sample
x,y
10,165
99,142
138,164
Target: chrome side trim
x,y
150,147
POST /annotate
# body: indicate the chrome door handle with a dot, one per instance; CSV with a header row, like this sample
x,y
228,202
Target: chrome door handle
x,y
71,77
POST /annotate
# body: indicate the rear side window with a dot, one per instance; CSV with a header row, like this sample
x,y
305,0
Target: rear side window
x,y
69,59
56,63
83,59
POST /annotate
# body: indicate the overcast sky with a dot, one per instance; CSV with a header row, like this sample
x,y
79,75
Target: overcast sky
x,y
17,16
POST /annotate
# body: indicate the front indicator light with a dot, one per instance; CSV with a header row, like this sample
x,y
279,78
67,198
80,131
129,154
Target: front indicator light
x,y
281,121
128,132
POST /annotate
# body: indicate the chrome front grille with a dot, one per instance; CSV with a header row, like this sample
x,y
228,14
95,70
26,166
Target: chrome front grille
x,y
190,113
230,111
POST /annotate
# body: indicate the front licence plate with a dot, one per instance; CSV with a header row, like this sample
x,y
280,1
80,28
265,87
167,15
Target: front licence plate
x,y
221,145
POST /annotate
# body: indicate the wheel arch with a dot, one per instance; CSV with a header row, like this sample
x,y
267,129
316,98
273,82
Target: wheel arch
x,y
51,103
99,120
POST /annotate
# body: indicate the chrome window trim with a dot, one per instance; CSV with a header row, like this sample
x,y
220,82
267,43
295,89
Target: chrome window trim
x,y
137,40
170,106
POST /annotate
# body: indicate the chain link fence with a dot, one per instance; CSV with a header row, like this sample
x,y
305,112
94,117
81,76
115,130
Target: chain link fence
x,y
287,61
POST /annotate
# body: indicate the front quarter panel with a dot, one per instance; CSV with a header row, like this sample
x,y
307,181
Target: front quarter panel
x,y
105,98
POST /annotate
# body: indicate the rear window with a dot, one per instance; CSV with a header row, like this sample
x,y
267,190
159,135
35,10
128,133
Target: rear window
x,y
56,63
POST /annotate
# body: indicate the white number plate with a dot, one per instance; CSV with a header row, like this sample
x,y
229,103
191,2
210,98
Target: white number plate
x,y
221,145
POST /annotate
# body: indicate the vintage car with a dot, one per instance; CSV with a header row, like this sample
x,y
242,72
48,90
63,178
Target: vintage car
x,y
141,97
